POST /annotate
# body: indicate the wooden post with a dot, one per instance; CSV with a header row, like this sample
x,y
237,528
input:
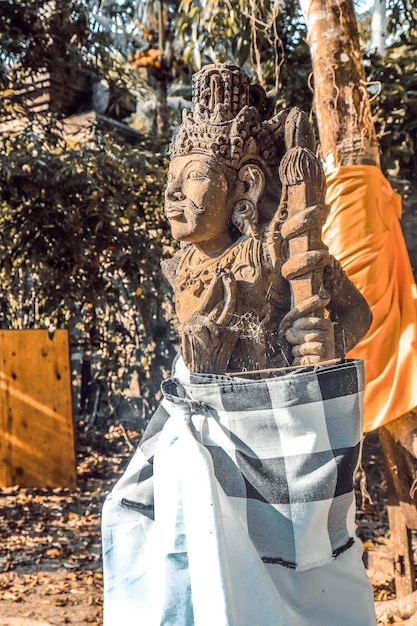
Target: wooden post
x,y
401,469
36,425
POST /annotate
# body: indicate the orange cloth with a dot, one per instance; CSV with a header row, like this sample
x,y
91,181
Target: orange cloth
x,y
363,232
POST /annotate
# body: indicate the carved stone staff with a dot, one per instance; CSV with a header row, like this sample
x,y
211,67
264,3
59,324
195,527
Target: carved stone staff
x,y
303,202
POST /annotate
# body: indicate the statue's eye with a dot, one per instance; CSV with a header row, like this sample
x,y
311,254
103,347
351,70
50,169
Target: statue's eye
x,y
170,177
195,175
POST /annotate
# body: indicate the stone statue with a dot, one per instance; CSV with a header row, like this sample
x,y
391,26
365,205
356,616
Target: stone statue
x,y
255,287
247,476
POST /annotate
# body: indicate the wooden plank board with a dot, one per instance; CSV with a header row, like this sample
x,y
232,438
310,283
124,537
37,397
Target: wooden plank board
x,y
36,419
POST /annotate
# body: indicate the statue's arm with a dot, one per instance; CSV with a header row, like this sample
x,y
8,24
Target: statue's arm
x,y
348,309
208,332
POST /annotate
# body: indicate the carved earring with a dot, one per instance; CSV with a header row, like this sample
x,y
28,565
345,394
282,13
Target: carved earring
x,y
245,218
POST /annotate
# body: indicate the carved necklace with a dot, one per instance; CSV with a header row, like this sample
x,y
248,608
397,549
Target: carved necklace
x,y
196,271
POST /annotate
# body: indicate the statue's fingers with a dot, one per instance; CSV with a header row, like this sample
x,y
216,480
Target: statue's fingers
x,y
293,336
316,348
212,295
310,359
229,302
307,336
311,323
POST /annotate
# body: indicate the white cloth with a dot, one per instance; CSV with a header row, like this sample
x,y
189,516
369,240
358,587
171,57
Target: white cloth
x,y
181,543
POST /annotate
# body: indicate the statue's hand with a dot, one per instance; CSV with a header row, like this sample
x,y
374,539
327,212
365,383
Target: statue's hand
x,y
312,340
207,336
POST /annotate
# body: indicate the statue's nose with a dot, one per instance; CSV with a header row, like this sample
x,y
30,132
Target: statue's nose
x,y
175,194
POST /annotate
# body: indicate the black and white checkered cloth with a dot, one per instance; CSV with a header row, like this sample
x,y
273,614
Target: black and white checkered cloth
x,y
283,450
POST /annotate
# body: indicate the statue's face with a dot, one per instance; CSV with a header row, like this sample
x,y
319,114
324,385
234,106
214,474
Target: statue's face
x,y
196,202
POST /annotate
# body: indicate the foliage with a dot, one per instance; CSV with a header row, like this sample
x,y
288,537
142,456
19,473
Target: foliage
x,y
64,41
392,86
402,18
81,237
81,226
34,34
74,213
395,106
267,39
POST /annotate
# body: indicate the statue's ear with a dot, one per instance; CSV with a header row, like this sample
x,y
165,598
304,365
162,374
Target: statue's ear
x,y
245,208
253,180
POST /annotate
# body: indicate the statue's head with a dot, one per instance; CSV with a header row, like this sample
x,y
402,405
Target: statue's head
x,y
224,159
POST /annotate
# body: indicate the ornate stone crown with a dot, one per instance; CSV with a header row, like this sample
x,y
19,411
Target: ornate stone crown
x,y
229,119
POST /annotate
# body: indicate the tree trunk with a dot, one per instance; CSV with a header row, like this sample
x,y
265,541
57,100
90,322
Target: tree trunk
x,y
347,132
379,27
162,113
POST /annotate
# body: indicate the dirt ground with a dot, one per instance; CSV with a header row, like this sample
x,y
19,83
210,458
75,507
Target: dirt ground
x,y
50,551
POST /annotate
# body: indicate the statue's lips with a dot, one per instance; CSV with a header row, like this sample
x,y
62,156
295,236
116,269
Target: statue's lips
x,y
174,212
